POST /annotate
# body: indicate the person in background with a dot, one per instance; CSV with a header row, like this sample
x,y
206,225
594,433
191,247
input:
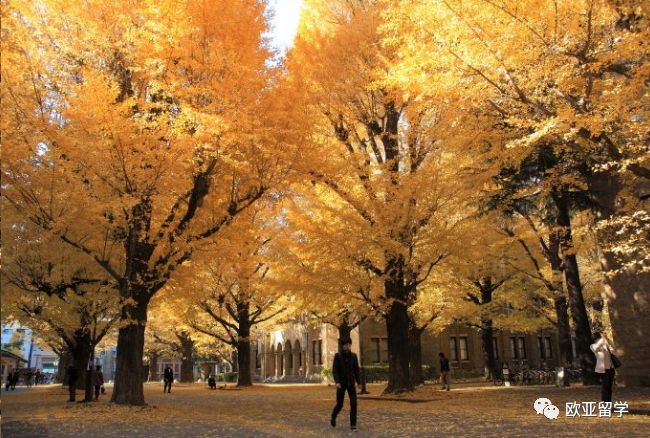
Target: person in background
x,y
10,379
71,376
444,371
98,381
602,348
345,371
212,382
168,377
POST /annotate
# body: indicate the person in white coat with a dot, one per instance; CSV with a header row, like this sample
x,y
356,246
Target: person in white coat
x,y
602,348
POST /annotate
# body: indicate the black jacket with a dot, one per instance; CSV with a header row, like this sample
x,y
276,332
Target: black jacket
x,y
346,368
444,364
169,375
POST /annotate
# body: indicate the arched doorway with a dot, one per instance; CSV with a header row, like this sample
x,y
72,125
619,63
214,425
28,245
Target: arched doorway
x,y
299,367
279,368
288,359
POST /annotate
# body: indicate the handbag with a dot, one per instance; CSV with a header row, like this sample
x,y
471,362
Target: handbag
x,y
103,390
615,360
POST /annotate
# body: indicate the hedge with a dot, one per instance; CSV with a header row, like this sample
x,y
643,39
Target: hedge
x,y
226,377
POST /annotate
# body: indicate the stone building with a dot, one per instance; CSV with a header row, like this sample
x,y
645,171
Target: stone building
x,y
299,353
8,363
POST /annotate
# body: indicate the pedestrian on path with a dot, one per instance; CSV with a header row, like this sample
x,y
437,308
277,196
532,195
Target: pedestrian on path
x,y
10,380
72,376
602,348
212,382
444,371
346,375
98,381
168,377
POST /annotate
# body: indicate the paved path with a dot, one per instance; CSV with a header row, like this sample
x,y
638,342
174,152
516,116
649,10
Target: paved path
x,y
303,410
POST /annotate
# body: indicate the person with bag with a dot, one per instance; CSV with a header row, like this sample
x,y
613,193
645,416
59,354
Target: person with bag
x,y
606,364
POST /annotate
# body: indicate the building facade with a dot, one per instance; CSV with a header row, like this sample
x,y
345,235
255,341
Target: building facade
x,y
36,357
300,353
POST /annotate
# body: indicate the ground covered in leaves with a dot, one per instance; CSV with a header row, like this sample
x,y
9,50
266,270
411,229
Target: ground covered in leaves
x,y
303,410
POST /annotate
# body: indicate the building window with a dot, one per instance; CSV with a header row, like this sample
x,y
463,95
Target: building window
x,y
299,358
518,347
495,348
462,348
384,350
258,357
452,349
458,348
545,351
376,342
317,352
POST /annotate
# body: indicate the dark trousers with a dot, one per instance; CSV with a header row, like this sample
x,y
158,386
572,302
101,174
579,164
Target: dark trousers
x,y
607,383
98,388
340,396
72,390
168,386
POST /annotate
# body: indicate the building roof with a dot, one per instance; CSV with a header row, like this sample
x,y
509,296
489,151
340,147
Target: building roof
x,y
6,353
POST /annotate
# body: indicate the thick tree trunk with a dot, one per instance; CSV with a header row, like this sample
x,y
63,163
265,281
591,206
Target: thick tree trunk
x,y
397,325
487,334
627,291
581,325
80,356
244,377
415,354
65,359
129,378
187,358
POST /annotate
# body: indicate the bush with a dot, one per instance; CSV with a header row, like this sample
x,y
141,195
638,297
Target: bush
x,y
379,373
376,373
326,375
460,374
227,377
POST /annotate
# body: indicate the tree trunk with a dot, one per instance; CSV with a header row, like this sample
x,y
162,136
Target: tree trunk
x,y
563,330
397,325
487,335
244,377
129,378
581,326
345,332
187,357
415,354
153,366
65,359
628,291
80,356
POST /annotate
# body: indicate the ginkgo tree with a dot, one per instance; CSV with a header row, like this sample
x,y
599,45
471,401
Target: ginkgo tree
x,y
133,131
384,157
60,294
225,291
567,78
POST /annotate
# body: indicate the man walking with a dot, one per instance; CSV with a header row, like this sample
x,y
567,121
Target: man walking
x,y
346,375
71,377
444,370
169,379
98,381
